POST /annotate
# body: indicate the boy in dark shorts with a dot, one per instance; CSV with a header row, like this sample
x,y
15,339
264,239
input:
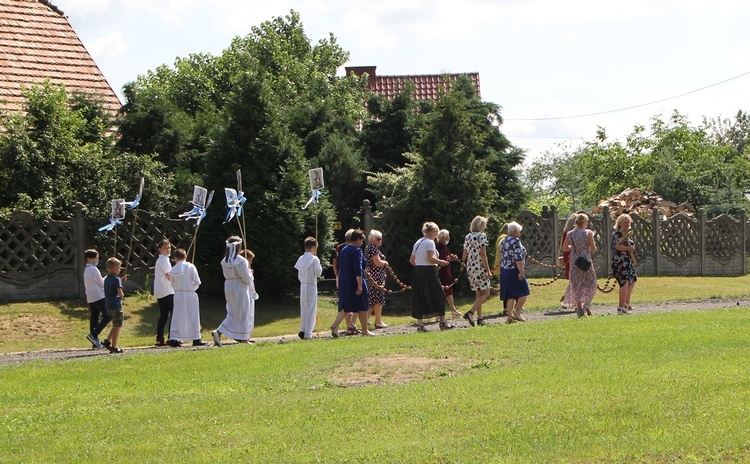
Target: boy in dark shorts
x,y
113,295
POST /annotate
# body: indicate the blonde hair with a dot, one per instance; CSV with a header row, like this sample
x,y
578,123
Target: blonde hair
x,y
581,219
621,218
113,263
478,224
429,227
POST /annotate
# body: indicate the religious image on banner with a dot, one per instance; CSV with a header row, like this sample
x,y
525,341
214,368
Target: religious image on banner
x,y
316,179
117,209
199,196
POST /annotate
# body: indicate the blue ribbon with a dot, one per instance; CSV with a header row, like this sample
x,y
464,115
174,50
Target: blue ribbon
x,y
315,195
112,223
235,205
133,204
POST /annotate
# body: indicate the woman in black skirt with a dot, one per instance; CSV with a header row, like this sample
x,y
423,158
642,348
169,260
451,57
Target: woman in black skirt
x,y
428,298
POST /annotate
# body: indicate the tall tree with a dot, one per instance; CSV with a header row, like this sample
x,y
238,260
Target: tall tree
x,y
461,166
57,153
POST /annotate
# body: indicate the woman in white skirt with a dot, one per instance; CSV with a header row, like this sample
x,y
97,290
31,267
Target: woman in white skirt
x,y
239,290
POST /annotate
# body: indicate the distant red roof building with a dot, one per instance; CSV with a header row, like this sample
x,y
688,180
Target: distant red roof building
x,y
36,43
427,86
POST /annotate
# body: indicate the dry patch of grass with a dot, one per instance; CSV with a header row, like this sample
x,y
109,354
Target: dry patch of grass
x,y
394,370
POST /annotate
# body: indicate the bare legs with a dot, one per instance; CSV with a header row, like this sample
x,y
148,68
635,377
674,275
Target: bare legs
x,y
623,303
513,309
378,311
452,305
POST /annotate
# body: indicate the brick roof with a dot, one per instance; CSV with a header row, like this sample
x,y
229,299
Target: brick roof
x,y
38,42
426,86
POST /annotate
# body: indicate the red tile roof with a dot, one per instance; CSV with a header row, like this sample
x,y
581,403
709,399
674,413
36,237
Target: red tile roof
x,y
427,86
37,42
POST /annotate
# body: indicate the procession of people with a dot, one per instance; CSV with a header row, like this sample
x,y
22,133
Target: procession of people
x,y
361,276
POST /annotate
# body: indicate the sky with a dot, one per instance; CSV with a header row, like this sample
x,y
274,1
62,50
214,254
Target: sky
x,y
559,70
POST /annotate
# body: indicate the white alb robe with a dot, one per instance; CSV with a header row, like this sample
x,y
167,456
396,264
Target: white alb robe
x,y
186,321
239,288
308,270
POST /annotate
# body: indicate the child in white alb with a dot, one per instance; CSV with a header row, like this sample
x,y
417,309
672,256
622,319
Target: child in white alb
x,y
308,270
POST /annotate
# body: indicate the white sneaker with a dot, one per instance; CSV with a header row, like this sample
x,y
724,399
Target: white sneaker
x,y
217,337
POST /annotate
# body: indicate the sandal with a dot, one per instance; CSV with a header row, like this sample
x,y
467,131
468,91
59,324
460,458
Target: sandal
x,y
352,330
480,321
510,320
334,332
468,317
420,328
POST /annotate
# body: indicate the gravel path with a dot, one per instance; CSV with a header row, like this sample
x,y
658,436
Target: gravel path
x,y
534,316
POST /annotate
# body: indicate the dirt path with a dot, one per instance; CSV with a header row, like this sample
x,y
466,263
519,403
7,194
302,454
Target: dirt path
x,y
77,353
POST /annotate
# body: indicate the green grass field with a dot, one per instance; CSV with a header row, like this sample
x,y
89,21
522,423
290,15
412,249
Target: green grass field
x,y
649,388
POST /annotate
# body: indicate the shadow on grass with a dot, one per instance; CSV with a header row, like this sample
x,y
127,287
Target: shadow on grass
x,y
72,308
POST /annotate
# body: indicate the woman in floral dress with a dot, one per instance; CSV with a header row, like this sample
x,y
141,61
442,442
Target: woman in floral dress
x,y
477,267
582,284
623,267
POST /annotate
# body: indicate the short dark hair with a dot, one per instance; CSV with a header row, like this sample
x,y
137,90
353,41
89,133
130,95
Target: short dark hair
x,y
163,242
310,242
91,253
180,253
357,235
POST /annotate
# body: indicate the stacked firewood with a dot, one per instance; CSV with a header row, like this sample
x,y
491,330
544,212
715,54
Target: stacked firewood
x,y
635,201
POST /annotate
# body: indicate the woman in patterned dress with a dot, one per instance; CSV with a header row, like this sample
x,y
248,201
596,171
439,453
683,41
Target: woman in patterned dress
x,y
623,267
477,267
375,270
582,284
514,288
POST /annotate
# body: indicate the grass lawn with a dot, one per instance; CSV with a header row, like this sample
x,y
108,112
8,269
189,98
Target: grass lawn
x,y
64,324
652,388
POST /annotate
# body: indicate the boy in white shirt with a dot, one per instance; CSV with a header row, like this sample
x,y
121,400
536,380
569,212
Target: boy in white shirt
x,y
308,270
163,290
93,282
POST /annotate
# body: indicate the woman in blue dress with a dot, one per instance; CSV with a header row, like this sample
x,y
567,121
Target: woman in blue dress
x,y
352,283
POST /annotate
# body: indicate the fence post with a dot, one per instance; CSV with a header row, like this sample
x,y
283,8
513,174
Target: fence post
x,y
743,244
702,243
607,239
366,216
556,234
79,232
656,219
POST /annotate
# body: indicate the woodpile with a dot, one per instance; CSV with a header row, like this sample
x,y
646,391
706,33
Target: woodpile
x,y
643,203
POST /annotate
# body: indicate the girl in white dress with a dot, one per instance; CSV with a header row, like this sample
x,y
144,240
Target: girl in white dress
x,y
239,291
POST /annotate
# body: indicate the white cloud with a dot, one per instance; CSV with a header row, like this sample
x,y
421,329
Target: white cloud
x,y
83,8
109,48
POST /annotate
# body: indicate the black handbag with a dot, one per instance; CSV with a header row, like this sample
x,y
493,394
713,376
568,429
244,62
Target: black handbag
x,y
581,262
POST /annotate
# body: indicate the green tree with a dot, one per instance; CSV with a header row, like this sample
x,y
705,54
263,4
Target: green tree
x,y
56,153
461,166
681,162
270,105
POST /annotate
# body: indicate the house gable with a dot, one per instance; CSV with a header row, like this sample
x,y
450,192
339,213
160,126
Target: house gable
x,y
36,43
